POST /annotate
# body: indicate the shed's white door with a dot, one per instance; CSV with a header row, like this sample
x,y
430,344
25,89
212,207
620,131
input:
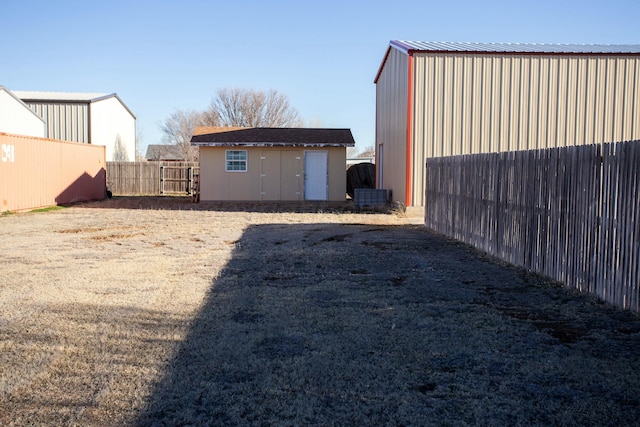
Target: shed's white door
x,y
315,175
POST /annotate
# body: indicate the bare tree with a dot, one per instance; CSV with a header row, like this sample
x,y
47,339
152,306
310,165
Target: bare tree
x,y
253,108
369,151
120,151
139,155
178,129
230,107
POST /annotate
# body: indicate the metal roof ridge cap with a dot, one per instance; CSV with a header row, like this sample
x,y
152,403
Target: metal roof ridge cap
x,y
39,96
413,46
401,45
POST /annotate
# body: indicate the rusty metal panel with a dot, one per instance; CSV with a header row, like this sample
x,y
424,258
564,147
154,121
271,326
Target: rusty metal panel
x,y
38,172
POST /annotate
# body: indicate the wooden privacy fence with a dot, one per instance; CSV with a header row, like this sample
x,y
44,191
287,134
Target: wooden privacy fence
x,y
571,214
151,178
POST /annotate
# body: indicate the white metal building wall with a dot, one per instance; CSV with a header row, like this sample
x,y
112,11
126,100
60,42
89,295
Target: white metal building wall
x,y
111,120
17,118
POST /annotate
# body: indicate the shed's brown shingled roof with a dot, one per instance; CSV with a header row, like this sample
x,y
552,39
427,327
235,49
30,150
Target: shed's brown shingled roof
x,y
319,137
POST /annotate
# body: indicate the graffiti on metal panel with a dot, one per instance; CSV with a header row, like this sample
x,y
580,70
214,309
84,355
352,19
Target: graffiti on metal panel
x,y
8,153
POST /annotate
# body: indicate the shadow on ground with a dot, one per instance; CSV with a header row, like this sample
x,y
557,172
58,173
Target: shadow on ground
x,y
325,324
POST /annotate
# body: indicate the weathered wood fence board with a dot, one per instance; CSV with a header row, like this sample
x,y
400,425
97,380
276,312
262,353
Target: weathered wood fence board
x,y
568,213
149,178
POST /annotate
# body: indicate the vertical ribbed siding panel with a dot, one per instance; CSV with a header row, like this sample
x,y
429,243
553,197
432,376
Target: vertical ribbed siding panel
x,y
391,122
633,91
493,103
505,91
533,131
576,131
422,89
495,83
437,100
65,121
627,98
589,124
484,113
551,117
467,135
561,103
514,105
600,70
524,105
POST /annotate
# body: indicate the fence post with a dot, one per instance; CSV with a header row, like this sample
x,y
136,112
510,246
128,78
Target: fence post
x,y
161,179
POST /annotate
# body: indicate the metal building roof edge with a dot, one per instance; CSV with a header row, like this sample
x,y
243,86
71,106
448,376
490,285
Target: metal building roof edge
x,y
61,96
496,47
406,47
14,96
88,97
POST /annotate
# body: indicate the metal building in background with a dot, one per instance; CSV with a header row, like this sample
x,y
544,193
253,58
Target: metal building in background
x,y
443,99
90,118
17,118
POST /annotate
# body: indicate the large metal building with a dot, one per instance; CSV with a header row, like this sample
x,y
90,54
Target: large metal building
x,y
443,99
90,118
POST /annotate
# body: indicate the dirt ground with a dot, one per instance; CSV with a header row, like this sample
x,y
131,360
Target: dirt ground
x,y
156,311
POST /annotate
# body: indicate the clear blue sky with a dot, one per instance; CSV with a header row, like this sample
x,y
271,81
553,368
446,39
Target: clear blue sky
x,y
160,55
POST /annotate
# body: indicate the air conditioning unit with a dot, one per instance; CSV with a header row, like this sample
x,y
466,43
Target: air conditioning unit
x,y
369,197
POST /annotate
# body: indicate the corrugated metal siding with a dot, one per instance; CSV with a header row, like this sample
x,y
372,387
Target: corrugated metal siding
x,y
391,122
65,121
466,103
37,172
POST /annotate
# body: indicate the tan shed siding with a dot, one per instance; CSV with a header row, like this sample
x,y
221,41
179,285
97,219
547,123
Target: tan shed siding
x,y
337,173
273,173
391,122
214,180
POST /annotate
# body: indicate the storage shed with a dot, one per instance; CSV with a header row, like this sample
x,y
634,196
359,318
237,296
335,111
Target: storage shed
x,y
271,164
443,99
90,118
17,118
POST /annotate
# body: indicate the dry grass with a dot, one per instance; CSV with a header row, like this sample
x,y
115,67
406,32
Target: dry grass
x,y
143,311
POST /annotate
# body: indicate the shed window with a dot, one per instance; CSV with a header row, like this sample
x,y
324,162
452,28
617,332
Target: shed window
x,y
236,161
